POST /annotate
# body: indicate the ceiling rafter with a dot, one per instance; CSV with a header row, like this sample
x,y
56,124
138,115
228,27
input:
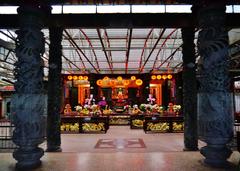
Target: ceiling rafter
x,y
10,37
69,61
104,50
128,50
156,43
90,43
163,44
77,48
144,47
174,41
6,62
80,57
169,57
109,52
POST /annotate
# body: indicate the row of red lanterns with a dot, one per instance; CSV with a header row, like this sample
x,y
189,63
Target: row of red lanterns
x,y
76,77
159,77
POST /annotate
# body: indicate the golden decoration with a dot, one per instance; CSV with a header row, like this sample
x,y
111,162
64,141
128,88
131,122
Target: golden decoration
x,y
99,82
159,77
126,82
119,78
70,127
106,78
139,82
153,77
169,76
113,82
80,77
85,77
133,78
178,126
75,77
93,127
164,77
70,77
137,123
158,126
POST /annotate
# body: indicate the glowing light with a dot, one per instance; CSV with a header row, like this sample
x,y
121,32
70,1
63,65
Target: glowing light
x,y
75,77
153,77
80,77
105,78
70,77
139,82
112,82
169,76
164,77
133,78
85,77
119,78
126,82
99,82
159,77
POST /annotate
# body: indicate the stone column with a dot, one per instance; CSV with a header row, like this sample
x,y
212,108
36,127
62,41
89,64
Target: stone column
x,y
55,88
189,90
28,101
215,115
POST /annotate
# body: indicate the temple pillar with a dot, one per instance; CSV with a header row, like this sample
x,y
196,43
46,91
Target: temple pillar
x,y
189,90
215,115
55,88
28,101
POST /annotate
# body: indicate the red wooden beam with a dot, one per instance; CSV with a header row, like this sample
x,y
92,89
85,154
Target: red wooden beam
x,y
90,43
128,51
168,37
104,50
75,44
145,44
155,45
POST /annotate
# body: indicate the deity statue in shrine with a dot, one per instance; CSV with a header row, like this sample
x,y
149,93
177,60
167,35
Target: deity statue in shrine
x,y
90,100
102,103
151,100
67,109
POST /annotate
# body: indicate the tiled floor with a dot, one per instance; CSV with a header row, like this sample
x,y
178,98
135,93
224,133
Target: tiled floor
x,y
153,142
121,149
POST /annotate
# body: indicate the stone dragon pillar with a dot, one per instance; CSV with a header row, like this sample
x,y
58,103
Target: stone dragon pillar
x,y
215,115
28,101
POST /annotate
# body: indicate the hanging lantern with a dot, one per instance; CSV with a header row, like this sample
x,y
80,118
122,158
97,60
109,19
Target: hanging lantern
x,y
80,77
113,82
99,82
164,77
133,78
153,77
106,78
139,82
169,76
75,77
159,77
119,78
70,77
126,82
85,77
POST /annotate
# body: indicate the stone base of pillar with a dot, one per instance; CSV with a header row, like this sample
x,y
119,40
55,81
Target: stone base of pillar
x,y
54,149
216,155
28,159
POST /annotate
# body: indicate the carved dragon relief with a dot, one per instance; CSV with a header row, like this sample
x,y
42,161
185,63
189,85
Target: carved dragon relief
x,y
215,114
29,67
